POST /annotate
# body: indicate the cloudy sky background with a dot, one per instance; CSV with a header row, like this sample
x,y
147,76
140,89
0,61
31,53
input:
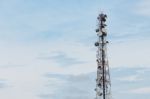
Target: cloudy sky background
x,y
47,48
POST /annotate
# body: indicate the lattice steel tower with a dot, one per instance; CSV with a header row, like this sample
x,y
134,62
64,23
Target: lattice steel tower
x,y
103,83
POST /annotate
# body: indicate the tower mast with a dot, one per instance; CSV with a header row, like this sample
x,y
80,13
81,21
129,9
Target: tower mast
x,y
103,83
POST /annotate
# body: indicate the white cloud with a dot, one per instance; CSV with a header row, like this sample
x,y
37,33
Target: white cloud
x,y
143,71
130,53
24,71
145,90
132,78
75,87
26,82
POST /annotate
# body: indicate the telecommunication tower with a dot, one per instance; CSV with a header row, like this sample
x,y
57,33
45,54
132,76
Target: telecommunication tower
x,y
103,83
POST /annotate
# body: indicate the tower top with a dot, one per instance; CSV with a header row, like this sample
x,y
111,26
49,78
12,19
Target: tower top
x,y
101,31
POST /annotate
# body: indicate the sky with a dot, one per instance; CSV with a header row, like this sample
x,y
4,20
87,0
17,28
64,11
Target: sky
x,y
47,48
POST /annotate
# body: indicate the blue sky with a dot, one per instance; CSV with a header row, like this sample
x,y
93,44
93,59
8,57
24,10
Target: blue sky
x,y
47,48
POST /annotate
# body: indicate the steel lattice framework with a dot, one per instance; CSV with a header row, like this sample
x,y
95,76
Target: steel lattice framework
x,y
103,83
